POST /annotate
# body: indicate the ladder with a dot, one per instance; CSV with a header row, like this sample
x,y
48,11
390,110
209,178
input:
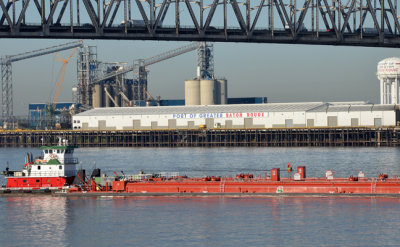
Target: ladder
x,y
373,185
222,186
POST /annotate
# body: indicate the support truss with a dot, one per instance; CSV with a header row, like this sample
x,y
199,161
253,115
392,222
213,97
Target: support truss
x,y
322,22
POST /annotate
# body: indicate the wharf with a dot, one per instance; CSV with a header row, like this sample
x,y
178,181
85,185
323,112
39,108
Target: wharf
x,y
275,137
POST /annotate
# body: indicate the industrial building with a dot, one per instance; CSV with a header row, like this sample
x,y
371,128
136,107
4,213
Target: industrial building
x,y
277,115
44,116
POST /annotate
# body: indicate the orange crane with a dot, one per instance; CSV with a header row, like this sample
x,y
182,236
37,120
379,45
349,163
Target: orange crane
x,y
61,78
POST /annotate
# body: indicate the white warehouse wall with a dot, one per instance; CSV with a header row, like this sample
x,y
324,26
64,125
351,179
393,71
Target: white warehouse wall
x,y
114,120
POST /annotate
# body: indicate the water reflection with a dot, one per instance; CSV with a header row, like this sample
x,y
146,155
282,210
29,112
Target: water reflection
x,y
33,220
170,221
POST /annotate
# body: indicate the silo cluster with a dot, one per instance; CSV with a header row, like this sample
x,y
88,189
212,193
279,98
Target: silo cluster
x,y
206,92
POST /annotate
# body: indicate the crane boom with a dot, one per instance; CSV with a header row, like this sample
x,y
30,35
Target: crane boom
x,y
62,73
6,72
151,60
42,52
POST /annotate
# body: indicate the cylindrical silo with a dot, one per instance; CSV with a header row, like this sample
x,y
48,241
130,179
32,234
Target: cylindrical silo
x,y
192,92
207,92
97,96
222,91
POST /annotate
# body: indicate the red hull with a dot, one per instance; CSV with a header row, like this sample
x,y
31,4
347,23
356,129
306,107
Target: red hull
x,y
38,182
253,186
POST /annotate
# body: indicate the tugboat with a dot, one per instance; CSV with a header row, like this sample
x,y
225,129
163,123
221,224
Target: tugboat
x,y
55,169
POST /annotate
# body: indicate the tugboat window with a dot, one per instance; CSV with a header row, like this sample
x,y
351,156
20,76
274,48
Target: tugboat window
x,y
38,167
50,151
37,180
60,167
46,151
24,180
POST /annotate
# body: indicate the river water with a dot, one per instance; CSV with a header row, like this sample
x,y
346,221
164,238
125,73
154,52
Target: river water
x,y
207,221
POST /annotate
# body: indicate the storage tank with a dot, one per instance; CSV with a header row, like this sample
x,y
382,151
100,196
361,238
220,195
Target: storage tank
x,y
192,92
222,92
97,94
207,92
388,75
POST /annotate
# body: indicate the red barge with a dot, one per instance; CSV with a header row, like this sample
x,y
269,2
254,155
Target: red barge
x,y
55,172
242,184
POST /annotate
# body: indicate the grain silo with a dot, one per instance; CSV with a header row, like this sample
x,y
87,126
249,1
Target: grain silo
x,y
208,92
192,92
97,96
222,91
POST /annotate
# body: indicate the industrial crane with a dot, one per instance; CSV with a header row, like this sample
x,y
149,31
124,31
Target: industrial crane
x,y
6,72
62,73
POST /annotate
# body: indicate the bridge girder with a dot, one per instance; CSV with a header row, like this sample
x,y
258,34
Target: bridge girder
x,y
341,22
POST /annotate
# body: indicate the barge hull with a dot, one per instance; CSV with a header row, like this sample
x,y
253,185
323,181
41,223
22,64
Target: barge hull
x,y
125,194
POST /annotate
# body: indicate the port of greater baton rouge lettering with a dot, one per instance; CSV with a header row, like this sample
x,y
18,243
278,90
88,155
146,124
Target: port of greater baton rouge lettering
x,y
218,115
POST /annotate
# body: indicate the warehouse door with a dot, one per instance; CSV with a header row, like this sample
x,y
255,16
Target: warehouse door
x,y
172,123
310,123
332,121
136,124
102,124
378,122
228,124
191,125
154,125
248,123
354,122
210,123
289,123
85,126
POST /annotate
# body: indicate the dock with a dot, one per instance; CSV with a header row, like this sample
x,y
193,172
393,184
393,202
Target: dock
x,y
274,137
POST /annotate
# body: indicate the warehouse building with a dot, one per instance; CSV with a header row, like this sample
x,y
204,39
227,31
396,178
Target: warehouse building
x,y
276,115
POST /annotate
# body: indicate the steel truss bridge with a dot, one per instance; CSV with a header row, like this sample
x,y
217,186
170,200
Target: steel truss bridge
x,y
321,22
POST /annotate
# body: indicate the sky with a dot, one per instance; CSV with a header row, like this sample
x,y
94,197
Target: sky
x,y
281,72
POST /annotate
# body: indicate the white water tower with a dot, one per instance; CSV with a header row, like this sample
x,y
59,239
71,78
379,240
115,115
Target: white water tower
x,y
389,74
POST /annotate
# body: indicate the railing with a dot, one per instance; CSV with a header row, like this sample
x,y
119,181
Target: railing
x,y
52,173
46,174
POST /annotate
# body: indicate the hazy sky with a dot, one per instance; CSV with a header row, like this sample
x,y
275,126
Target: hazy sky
x,y
283,73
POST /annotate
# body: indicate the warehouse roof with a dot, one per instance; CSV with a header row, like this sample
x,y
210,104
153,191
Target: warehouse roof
x,y
352,108
270,107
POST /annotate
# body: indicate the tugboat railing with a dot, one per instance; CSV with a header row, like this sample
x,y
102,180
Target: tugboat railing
x,y
45,174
